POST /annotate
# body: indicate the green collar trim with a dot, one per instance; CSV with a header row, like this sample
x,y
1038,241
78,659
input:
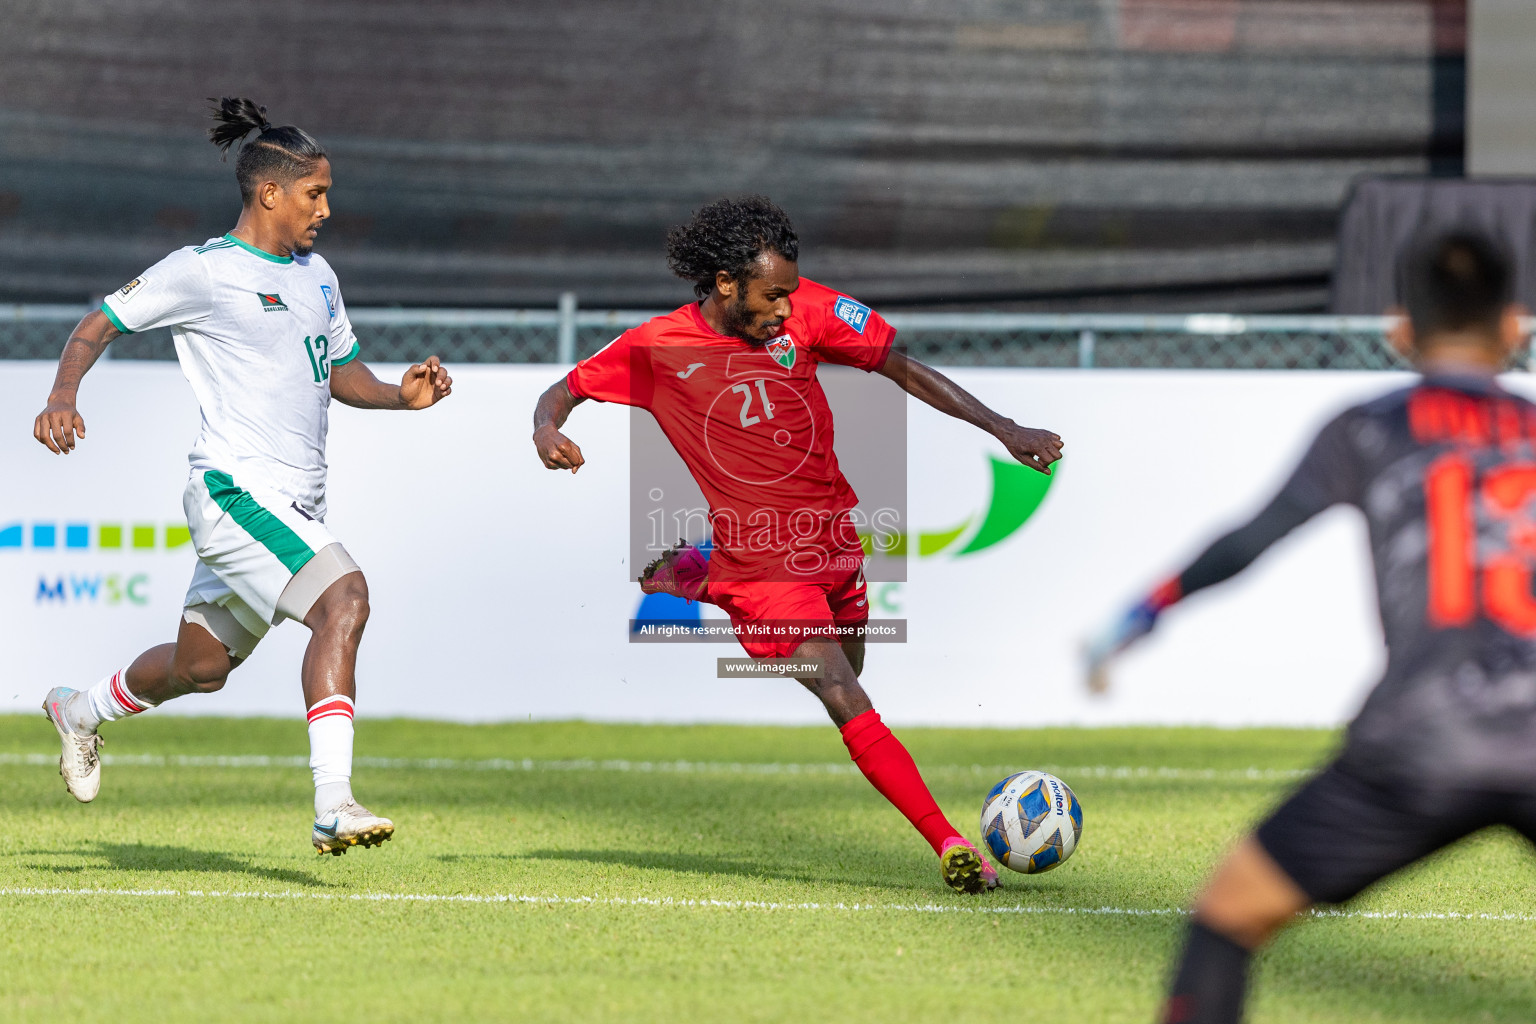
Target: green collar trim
x,y
248,247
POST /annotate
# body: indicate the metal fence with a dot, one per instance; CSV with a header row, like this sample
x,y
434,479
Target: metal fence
x,y
562,335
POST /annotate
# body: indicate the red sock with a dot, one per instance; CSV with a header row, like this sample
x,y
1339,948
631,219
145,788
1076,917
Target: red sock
x,y
889,768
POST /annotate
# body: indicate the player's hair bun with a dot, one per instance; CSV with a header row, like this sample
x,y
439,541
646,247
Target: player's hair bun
x,y
277,153
237,118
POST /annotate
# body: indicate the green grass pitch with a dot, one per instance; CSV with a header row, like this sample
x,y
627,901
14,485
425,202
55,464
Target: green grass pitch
x,y
760,879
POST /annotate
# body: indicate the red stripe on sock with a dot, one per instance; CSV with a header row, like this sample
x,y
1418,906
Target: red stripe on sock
x,y
330,714
123,696
331,706
890,769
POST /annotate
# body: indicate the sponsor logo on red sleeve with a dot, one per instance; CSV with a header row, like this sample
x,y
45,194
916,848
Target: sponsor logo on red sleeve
x,y
854,314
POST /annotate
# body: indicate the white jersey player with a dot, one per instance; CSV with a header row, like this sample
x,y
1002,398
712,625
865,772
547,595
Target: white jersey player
x,y
263,337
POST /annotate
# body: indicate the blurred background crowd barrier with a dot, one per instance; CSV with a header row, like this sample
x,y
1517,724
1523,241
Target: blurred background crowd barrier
x,y
1022,155
1198,341
1253,157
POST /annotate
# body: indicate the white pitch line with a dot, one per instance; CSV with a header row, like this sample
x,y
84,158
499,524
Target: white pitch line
x,y
1100,771
672,903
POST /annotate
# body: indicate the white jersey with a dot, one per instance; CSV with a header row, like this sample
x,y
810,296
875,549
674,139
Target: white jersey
x,y
257,336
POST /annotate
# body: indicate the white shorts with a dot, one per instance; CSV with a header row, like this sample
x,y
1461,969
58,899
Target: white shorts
x,y
250,543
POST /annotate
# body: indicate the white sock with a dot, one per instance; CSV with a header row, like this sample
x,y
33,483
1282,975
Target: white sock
x,y
107,701
330,751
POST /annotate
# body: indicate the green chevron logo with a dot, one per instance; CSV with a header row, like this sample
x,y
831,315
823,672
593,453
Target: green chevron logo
x,y
1017,492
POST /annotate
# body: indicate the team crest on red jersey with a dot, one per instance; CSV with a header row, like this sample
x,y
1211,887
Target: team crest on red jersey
x,y
782,349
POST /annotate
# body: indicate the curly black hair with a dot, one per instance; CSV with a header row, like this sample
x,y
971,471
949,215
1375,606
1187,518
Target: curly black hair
x,y
729,235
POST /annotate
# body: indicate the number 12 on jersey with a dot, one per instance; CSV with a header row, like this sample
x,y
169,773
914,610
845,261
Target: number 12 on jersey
x,y
319,352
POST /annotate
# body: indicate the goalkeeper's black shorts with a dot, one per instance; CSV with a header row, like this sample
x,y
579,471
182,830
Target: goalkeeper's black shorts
x,y
1339,833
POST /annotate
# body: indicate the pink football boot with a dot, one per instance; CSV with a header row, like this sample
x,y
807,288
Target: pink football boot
x,y
682,571
964,869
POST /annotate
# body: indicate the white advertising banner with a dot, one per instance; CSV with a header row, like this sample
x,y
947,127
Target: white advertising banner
x,y
501,590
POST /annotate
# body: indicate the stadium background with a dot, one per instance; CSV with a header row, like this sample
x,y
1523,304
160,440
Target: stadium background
x,y
1001,175
1137,155
1120,219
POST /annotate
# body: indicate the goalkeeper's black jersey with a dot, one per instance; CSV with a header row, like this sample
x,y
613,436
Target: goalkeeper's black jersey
x,y
1445,473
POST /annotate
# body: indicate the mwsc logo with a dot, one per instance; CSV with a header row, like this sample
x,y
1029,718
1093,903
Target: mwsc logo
x,y
88,587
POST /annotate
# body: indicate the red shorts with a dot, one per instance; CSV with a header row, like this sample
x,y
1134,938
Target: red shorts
x,y
785,615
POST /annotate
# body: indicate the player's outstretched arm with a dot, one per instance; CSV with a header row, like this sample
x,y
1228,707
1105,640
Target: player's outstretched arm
x,y
423,385
59,424
1036,449
556,450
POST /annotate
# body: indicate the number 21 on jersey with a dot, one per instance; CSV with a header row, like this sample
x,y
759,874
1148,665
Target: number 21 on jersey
x,y
745,390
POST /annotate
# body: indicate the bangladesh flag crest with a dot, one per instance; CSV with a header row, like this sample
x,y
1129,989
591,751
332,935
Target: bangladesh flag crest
x,y
271,302
783,351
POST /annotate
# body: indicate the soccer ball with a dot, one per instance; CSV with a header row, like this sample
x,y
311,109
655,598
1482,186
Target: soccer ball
x,y
1031,822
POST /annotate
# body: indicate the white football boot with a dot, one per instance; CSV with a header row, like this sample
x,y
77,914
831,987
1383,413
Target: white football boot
x,y
348,825
79,763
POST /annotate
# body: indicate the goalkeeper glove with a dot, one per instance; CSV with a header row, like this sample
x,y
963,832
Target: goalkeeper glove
x,y
1133,624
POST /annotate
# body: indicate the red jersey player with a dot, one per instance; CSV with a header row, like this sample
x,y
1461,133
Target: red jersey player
x,y
731,380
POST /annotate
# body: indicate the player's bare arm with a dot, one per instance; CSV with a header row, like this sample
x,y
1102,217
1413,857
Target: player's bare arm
x,y
59,424
556,450
423,386
1033,447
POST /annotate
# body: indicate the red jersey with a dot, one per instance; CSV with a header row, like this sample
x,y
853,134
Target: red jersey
x,y
753,426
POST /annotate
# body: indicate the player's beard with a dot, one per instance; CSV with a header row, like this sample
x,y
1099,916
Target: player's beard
x,y
736,321
306,245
